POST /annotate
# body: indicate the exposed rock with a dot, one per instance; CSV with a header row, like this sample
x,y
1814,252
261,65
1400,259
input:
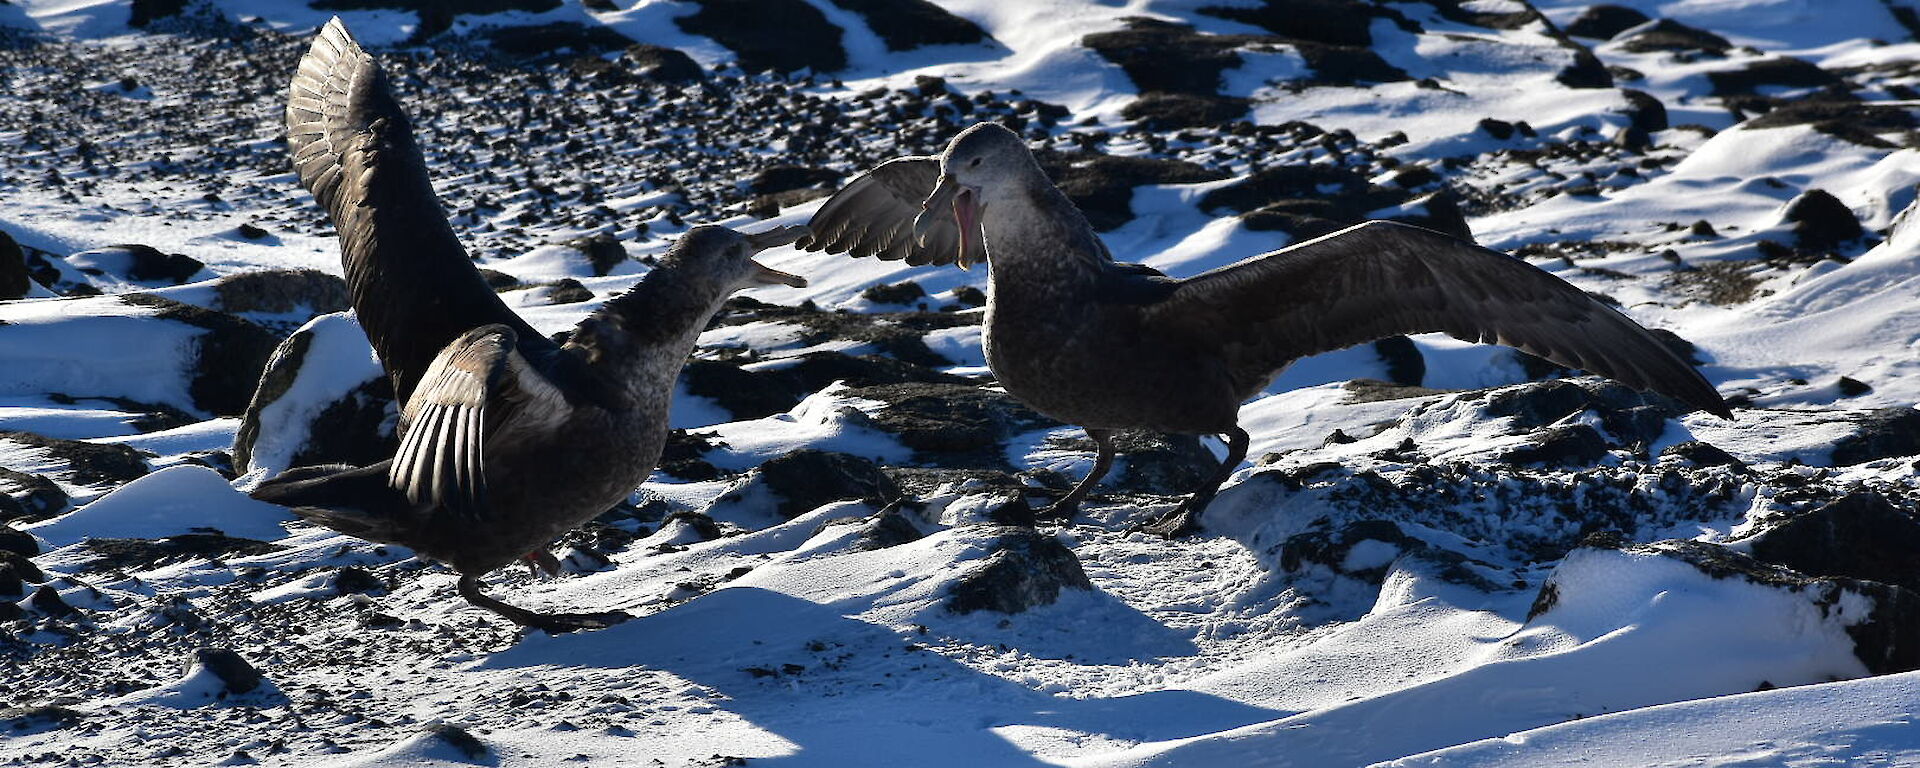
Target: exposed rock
x,y
1308,201
1576,444
1586,70
146,12
1821,221
1602,22
807,479
47,600
458,738
1153,462
21,568
1670,35
136,263
1861,536
1367,550
352,427
29,497
1102,185
18,542
1405,365
667,65
781,35
1722,283
567,290
239,676
1333,22
280,291
553,40
753,394
781,178
1882,433
970,296
902,293
15,281
904,25
1169,111
682,456
1784,71
141,554
351,580
1375,390
39,718
228,357
951,424
437,15
890,528
1701,454
1026,570
88,463
603,251
1645,111
1860,123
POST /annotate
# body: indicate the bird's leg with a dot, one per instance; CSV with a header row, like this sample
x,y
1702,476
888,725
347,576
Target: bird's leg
x,y
1068,505
1184,520
553,623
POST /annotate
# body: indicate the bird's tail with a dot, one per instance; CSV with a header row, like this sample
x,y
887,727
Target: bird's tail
x,y
353,500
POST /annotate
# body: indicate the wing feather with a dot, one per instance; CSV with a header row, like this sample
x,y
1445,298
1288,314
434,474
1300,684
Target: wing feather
x,y
1380,279
873,216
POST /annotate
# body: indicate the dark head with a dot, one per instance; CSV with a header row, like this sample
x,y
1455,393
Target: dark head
x,y
723,258
981,164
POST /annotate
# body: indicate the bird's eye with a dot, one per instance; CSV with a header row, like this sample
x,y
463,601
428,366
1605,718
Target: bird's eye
x,y
974,163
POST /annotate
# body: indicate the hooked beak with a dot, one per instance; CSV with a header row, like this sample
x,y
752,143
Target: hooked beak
x,y
774,238
963,202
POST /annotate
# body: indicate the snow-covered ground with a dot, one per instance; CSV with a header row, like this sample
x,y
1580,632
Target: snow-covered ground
x,y
1464,558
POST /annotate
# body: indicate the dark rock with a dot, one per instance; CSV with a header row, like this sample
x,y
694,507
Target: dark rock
x,y
1164,57
1438,211
970,296
1333,22
1347,65
18,542
1170,111
1331,548
904,25
902,293
15,280
702,525
662,64
1882,433
251,231
1014,511
1576,444
1886,641
1670,35
1860,536
12,588
89,463
351,580
682,457
355,429
1645,111
1851,387
1499,129
140,263
1602,22
1701,454
890,528
781,178
1303,200
148,11
567,290
140,554
437,15
1722,283
1154,462
279,291
1102,185
1375,390
806,479
603,251
498,280
781,35
1026,570
1405,365
47,600
1542,403
239,676
38,718
1586,71
1860,123
951,424
1821,221
228,358
21,567
751,394
29,497
558,39
1785,71
459,739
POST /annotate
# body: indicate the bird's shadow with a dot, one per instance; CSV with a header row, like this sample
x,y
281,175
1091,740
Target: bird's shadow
x,y
847,692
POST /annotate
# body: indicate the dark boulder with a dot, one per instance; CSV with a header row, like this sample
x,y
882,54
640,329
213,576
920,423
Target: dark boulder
x,y
436,16
902,293
603,251
1644,111
18,542
29,497
280,291
1564,444
143,264
567,290
782,178
1332,22
1783,71
1861,536
47,600
15,280
904,25
237,675
555,40
951,424
661,64
1154,462
1306,201
1027,569
1102,185
890,528
357,581
1701,454
1820,221
140,554
807,479
1670,35
781,35
87,463
1602,22
146,12
1882,433
228,357
1169,111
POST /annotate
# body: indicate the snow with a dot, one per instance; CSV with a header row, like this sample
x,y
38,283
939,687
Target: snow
x,y
175,500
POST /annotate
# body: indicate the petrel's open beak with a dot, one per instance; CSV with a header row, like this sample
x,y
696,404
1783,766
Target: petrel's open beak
x,y
950,198
774,238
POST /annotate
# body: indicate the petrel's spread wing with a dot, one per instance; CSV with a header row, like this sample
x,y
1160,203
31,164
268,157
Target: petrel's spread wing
x,y
476,388
413,286
873,216
1380,279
